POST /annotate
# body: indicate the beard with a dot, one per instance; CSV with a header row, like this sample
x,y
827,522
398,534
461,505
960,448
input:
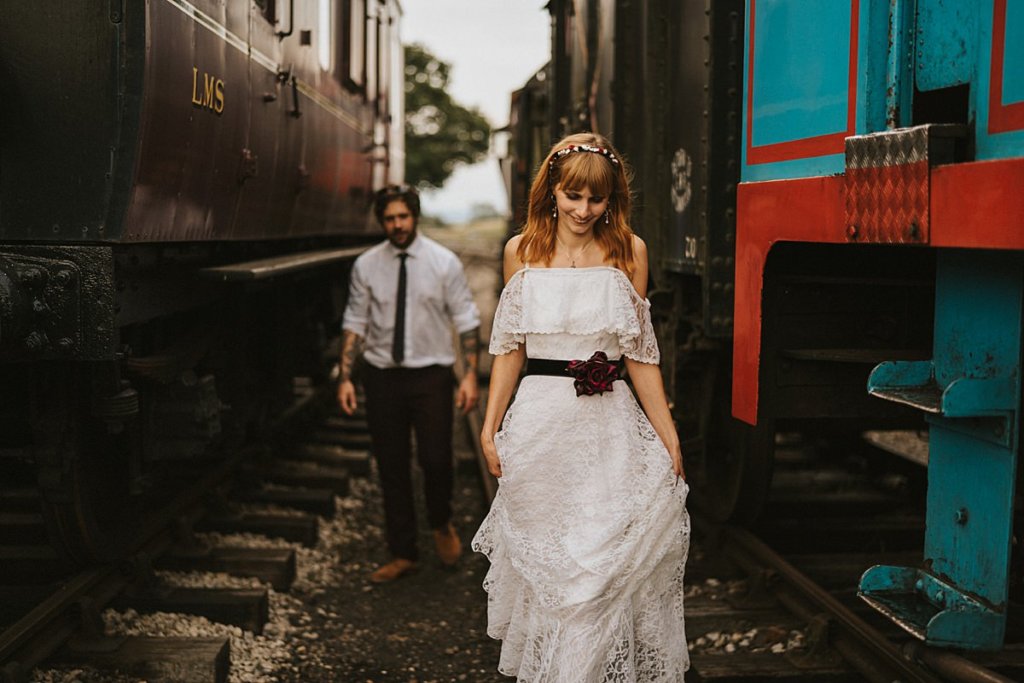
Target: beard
x,y
402,239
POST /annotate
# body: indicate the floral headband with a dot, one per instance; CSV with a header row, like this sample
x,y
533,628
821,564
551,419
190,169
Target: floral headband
x,y
606,153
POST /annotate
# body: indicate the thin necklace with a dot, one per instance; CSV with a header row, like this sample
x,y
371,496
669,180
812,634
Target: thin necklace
x,y
572,259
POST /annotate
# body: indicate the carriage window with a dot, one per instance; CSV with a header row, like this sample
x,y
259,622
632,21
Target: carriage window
x,y
269,9
351,63
325,35
383,59
371,54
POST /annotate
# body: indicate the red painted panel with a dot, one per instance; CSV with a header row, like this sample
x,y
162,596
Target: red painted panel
x,y
806,147
978,205
1001,118
888,204
972,205
802,210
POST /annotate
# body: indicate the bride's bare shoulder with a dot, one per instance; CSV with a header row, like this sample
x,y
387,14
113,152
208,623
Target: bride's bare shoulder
x,y
639,277
511,262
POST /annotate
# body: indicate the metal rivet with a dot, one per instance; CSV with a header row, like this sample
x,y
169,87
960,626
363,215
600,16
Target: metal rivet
x,y
961,516
31,276
34,341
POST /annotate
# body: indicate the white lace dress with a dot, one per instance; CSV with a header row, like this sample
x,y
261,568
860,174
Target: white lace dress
x,y
588,534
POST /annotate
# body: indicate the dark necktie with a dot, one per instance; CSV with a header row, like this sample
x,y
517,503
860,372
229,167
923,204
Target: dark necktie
x,y
398,342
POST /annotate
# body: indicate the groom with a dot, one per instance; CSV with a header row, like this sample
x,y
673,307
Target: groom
x,y
405,295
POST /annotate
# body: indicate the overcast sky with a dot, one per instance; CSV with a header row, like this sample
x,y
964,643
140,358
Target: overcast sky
x,y
494,47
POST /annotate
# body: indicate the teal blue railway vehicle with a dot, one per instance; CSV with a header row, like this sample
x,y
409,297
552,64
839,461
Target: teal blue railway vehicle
x,y
831,191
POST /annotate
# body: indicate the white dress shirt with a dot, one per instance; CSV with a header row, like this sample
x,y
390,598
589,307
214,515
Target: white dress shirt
x,y
438,298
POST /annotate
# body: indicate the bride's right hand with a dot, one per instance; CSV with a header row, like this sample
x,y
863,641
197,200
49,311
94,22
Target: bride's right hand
x,y
490,454
677,462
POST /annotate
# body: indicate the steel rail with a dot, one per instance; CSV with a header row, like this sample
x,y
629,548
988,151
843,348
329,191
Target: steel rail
x,y
952,667
867,650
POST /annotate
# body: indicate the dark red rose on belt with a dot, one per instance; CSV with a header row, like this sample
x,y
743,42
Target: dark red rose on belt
x,y
593,376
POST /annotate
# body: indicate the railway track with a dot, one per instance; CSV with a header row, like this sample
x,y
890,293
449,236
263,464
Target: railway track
x,y
762,604
61,620
800,564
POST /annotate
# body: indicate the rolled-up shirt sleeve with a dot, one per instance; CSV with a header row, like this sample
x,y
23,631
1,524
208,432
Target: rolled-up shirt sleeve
x,y
459,299
357,309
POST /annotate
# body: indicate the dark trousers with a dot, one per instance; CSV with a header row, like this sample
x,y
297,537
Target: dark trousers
x,y
398,401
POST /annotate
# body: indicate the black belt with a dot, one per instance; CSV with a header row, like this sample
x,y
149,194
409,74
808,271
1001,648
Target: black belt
x,y
593,376
558,368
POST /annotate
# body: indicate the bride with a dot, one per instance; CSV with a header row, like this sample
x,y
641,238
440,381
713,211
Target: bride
x,y
588,534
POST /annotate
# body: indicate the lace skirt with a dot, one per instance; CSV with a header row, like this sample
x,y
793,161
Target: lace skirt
x,y
587,539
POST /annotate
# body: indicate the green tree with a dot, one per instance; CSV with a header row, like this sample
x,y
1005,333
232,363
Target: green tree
x,y
439,132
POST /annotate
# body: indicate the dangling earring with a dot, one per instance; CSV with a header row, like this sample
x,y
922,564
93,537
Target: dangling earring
x,y
554,208
607,218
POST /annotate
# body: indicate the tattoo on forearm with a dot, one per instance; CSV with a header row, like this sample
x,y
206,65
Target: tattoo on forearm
x,y
470,343
349,350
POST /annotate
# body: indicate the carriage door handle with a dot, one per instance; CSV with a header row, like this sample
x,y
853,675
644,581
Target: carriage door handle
x,y
295,98
291,21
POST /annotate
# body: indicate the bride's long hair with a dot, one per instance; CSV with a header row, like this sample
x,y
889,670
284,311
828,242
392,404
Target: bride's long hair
x,y
574,172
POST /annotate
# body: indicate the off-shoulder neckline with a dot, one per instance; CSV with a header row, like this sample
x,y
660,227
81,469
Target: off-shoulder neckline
x,y
568,268
583,270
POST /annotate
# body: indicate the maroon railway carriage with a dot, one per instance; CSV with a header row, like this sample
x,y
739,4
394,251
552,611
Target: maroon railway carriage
x,y
181,186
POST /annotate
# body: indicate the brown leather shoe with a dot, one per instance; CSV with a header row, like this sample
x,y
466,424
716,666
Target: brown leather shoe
x,y
449,547
395,569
